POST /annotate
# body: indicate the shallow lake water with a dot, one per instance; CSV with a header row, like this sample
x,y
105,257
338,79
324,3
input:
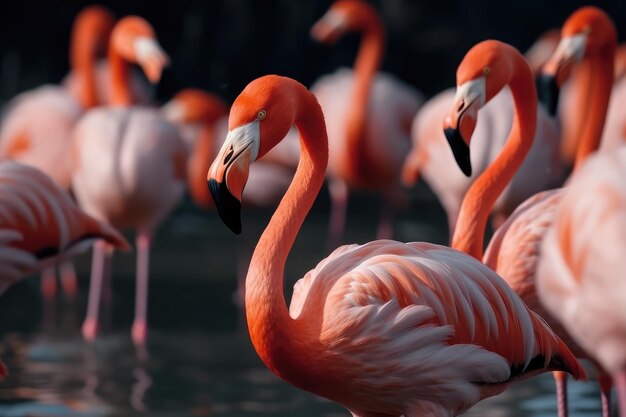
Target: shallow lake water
x,y
198,360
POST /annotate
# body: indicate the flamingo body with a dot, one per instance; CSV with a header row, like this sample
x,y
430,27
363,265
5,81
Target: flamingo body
x,y
614,133
40,224
581,268
129,166
41,141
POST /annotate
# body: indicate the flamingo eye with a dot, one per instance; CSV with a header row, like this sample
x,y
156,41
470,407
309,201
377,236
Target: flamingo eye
x,y
486,70
261,115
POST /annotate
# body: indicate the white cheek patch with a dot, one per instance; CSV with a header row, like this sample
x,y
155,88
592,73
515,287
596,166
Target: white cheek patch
x,y
473,90
146,48
572,46
243,136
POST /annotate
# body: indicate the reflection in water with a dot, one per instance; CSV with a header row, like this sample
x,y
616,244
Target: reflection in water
x,y
198,361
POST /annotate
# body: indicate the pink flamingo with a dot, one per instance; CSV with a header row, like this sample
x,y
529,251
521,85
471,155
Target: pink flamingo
x,y
579,273
40,225
368,115
385,328
588,40
430,155
129,165
614,133
37,128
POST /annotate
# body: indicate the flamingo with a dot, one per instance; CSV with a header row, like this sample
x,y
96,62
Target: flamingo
x,y
130,165
385,328
368,114
588,39
614,133
579,273
40,225
430,155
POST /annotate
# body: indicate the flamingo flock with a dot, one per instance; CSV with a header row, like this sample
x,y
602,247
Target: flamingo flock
x,y
383,328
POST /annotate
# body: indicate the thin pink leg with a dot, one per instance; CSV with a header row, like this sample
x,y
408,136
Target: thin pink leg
x,y
69,282
49,283
140,327
99,267
560,378
338,206
619,380
606,384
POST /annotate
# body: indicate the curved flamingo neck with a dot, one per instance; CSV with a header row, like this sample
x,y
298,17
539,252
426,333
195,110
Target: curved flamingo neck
x,y
600,78
480,198
89,37
273,332
367,63
121,95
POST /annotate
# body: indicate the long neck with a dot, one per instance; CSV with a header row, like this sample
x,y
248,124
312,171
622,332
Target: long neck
x,y
365,67
479,200
600,78
120,86
88,39
272,330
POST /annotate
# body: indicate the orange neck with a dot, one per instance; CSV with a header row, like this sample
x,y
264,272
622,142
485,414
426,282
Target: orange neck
x,y
365,67
199,162
89,38
121,95
596,102
479,200
278,339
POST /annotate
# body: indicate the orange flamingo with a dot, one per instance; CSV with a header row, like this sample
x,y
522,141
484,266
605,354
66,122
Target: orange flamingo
x,y
579,273
430,155
385,328
368,115
130,165
588,36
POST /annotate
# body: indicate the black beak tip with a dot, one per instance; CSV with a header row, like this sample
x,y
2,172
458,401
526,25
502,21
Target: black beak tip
x,y
460,150
228,207
548,92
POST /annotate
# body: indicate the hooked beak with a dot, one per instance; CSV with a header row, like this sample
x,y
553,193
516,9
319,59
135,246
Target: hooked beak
x,y
228,174
151,57
459,125
329,28
558,69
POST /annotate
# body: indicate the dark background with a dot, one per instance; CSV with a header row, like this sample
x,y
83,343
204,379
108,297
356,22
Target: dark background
x,y
222,45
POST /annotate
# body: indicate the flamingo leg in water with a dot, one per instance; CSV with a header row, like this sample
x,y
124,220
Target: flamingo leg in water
x,y
100,266
620,383
606,384
140,326
560,379
338,190
69,282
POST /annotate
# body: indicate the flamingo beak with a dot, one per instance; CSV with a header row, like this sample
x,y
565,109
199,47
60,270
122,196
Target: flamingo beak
x,y
151,57
228,174
558,69
329,28
459,125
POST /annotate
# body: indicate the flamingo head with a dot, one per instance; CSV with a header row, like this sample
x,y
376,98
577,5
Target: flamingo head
x,y
344,16
484,71
134,40
194,106
588,32
259,118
